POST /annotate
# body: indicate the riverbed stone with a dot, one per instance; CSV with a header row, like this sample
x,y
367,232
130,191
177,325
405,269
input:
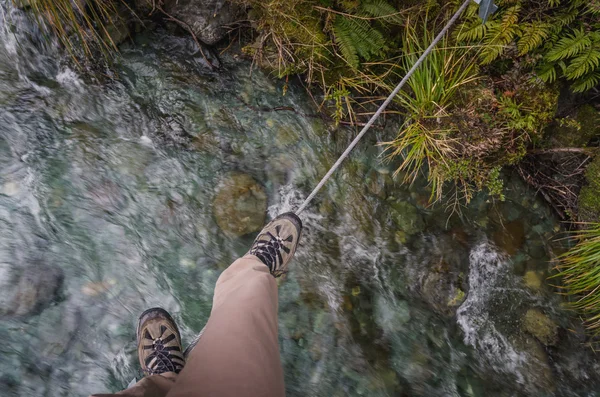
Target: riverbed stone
x,y
33,288
240,204
536,248
541,326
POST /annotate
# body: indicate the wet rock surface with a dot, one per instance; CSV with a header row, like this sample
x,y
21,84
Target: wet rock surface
x,y
537,372
208,19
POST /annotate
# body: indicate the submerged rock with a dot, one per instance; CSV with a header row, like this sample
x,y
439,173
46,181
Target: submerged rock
x,y
240,205
97,288
441,289
117,31
35,287
533,280
537,373
511,237
407,217
541,326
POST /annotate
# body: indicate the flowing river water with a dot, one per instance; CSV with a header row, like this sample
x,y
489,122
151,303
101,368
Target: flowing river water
x,y
108,206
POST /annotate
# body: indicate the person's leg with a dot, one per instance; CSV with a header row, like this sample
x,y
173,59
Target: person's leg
x,y
160,354
238,353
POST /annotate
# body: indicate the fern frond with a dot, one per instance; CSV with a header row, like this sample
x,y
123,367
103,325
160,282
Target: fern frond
x,y
472,31
570,45
381,9
584,63
565,18
593,7
511,16
343,39
471,12
532,36
547,73
490,53
356,38
586,83
500,35
562,65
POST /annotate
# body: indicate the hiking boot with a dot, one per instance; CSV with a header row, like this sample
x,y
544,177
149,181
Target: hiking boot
x,y
276,243
159,343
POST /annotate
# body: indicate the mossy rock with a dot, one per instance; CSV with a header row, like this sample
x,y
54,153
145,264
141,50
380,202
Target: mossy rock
x,y
578,134
240,205
589,197
541,327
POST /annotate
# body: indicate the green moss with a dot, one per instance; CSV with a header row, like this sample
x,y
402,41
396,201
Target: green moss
x,y
589,120
575,131
589,197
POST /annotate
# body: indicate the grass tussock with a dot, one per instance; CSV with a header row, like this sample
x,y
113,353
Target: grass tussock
x,y
427,136
579,270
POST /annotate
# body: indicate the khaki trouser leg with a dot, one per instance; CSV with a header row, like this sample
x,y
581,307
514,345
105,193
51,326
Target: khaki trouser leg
x,y
238,354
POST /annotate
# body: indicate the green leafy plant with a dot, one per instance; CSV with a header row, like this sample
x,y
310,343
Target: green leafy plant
x,y
577,55
562,38
579,269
